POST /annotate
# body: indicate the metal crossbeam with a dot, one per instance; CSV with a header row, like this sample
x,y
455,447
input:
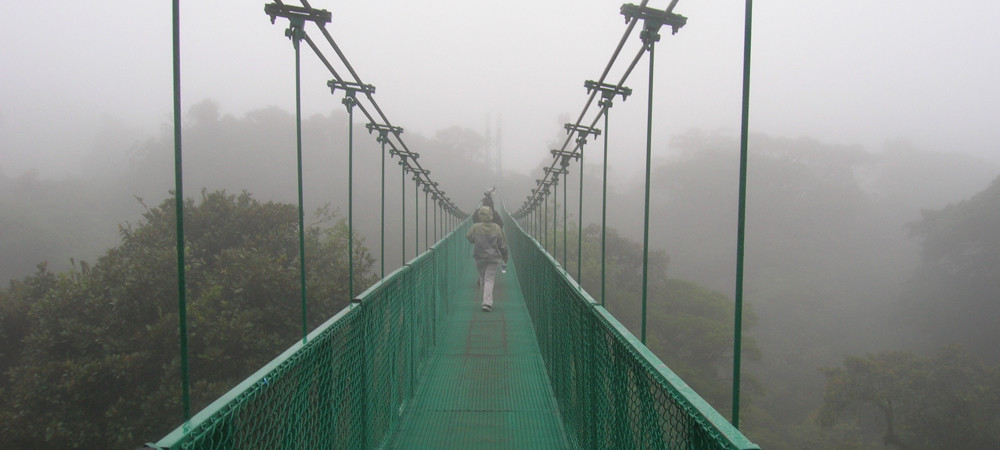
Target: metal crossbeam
x,y
403,154
350,87
383,130
584,131
557,153
275,10
607,91
653,18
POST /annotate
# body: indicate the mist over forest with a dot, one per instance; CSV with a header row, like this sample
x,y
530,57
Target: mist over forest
x,y
850,251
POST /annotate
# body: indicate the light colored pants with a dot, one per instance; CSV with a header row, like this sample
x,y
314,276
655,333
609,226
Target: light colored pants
x,y
487,274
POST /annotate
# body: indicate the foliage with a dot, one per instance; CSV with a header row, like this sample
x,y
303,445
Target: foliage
x,y
952,297
689,326
97,363
52,220
951,400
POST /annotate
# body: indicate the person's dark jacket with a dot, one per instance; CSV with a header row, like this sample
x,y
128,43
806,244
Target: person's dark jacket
x,y
488,202
488,238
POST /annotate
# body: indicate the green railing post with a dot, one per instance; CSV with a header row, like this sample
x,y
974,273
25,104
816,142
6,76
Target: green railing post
x,y
741,227
579,227
555,215
606,104
350,102
383,136
649,37
565,211
295,33
416,216
179,212
427,240
402,201
545,222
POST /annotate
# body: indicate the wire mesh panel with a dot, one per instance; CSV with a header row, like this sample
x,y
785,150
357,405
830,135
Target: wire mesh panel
x,y
611,390
350,383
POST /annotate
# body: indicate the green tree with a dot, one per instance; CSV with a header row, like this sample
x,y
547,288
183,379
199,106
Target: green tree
x,y
952,298
951,400
98,366
689,326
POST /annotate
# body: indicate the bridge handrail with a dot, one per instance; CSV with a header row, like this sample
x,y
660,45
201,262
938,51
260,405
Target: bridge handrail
x,y
612,391
351,380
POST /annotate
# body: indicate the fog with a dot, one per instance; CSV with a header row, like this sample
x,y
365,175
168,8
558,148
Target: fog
x,y
848,72
866,119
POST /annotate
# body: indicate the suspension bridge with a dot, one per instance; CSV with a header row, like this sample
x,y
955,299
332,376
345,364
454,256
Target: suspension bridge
x,y
413,362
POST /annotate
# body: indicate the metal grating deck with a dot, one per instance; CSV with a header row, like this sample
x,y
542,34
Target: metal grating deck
x,y
486,386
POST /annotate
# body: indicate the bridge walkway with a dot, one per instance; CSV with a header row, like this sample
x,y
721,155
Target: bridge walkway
x,y
486,385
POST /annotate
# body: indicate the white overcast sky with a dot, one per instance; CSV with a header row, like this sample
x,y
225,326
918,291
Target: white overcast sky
x,y
844,72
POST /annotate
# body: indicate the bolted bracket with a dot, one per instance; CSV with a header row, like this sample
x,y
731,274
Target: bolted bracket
x,y
556,172
584,131
652,19
417,173
383,131
350,90
608,92
543,185
403,154
295,30
564,155
275,10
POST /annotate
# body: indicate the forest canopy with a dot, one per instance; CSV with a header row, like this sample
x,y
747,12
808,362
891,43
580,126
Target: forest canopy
x,y
90,356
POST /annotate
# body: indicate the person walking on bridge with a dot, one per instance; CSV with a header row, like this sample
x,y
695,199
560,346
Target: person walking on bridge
x,y
490,251
488,201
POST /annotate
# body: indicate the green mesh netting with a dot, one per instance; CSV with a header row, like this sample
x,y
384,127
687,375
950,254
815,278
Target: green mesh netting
x,y
611,390
414,363
348,385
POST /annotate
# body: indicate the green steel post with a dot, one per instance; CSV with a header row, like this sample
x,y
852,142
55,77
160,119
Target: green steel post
x,y
416,217
410,296
545,225
382,222
579,227
645,226
296,35
555,219
350,102
427,216
179,211
565,217
604,204
402,200
740,234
